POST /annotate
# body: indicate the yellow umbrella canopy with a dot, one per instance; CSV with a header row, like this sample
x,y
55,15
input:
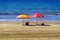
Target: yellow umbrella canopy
x,y
23,16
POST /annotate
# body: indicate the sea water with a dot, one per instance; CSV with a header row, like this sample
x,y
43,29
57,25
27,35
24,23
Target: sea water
x,y
12,18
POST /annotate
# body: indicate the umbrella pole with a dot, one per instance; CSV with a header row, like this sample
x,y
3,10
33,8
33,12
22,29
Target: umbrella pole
x,y
23,21
37,22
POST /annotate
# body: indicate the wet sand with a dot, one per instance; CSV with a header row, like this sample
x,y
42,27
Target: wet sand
x,y
17,31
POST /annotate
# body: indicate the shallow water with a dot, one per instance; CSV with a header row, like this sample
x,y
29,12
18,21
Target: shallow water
x,y
53,18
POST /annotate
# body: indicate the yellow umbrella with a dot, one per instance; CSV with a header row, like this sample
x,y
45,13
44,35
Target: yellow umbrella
x,y
23,16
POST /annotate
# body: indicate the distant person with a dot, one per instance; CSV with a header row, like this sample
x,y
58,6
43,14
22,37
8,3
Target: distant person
x,y
42,24
27,23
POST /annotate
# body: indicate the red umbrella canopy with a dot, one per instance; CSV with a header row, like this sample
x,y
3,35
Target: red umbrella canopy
x,y
38,15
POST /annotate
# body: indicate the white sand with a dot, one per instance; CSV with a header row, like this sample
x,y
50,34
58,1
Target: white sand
x,y
15,31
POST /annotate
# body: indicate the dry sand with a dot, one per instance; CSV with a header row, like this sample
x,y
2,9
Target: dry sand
x,y
16,31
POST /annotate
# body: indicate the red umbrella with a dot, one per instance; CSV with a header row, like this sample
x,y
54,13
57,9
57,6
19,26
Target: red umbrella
x,y
38,15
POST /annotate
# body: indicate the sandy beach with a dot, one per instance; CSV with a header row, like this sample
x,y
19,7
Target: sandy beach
x,y
17,31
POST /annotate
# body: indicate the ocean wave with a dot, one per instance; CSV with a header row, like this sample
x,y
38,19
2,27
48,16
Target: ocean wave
x,y
21,20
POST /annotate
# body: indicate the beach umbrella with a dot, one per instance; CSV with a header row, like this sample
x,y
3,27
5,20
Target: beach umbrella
x,y
23,16
37,15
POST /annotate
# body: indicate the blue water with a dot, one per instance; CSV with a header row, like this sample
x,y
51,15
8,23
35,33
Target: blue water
x,y
10,18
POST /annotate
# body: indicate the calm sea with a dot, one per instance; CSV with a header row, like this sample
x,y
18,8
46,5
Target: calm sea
x,y
12,18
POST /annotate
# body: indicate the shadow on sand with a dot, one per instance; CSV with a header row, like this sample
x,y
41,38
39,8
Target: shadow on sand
x,y
44,25
29,25
36,25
